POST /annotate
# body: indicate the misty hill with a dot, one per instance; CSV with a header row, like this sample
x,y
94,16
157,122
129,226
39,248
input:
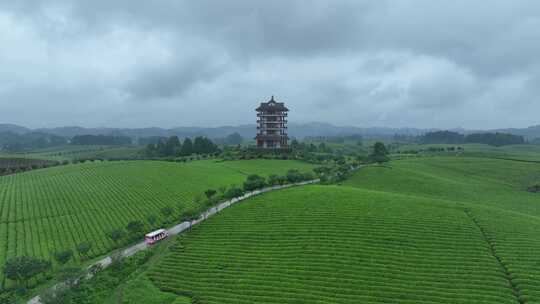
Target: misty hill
x,y
10,128
529,133
249,130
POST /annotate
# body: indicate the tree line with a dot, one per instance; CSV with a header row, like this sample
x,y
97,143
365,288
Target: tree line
x,y
105,140
493,139
13,142
173,147
15,165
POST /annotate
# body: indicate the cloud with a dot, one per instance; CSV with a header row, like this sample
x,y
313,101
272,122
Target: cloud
x,y
169,63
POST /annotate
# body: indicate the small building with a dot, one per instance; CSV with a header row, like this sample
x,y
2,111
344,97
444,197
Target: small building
x,y
272,125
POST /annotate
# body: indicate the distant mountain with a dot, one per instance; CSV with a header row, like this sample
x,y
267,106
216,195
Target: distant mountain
x,y
529,133
13,129
326,129
248,131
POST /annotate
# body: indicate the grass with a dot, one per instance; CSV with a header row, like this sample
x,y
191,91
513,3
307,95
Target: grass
x,y
426,230
74,152
483,181
53,209
517,152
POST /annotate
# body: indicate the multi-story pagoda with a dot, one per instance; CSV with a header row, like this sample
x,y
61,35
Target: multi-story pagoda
x,y
272,125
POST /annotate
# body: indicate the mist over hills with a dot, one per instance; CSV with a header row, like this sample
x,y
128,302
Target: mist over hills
x,y
248,131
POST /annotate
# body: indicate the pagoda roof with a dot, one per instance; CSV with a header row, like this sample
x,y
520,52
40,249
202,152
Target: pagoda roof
x,y
272,105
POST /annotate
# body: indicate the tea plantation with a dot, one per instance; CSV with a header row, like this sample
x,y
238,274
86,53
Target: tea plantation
x,y
53,209
437,230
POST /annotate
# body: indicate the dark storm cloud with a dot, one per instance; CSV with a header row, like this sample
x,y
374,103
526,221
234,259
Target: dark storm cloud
x,y
171,80
167,63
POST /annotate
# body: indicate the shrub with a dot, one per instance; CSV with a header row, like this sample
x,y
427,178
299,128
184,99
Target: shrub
x,y
22,269
189,215
83,249
273,180
534,188
135,228
116,235
308,176
63,256
233,192
210,193
294,176
70,275
254,182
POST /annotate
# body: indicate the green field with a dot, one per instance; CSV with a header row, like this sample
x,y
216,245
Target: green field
x,y
53,209
75,152
515,152
427,230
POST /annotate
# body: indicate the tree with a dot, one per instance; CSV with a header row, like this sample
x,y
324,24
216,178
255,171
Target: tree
x,y
322,171
187,147
254,182
234,139
150,150
100,140
210,193
295,145
442,137
203,145
273,180
83,249
233,192
63,256
199,145
173,146
116,235
294,176
161,148
379,154
135,227
22,269
495,139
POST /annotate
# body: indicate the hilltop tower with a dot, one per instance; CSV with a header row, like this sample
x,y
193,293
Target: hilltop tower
x,y
272,125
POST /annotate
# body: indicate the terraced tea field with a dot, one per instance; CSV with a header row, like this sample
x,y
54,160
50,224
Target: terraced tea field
x,y
75,152
516,152
54,209
438,230
483,181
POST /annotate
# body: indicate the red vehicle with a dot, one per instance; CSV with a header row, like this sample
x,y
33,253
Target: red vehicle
x,y
155,236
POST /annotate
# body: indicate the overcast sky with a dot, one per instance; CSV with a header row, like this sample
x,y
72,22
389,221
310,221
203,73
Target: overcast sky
x,y
130,63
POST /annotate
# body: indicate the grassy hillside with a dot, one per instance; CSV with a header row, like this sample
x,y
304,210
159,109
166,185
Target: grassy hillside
x,y
528,152
75,152
335,245
490,182
54,209
429,230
